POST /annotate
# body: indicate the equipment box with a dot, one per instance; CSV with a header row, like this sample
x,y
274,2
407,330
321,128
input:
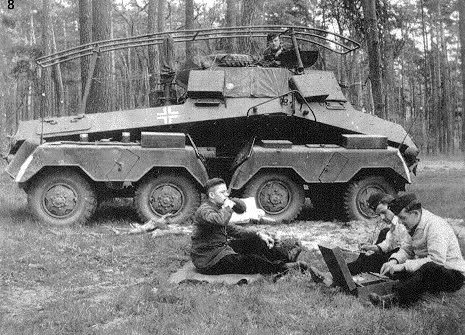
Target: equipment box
x,y
276,144
162,140
357,141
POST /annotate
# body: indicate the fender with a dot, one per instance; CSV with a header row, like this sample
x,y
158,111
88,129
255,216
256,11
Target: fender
x,y
320,163
103,163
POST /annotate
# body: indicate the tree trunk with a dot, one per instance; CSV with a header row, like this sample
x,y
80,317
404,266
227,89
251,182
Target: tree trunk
x,y
33,34
161,15
85,35
388,86
3,125
424,100
99,98
46,106
152,52
369,10
249,12
59,88
435,118
112,70
461,5
446,92
189,25
230,22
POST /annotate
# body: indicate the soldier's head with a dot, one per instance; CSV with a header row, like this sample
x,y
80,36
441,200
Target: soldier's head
x,y
273,40
408,209
216,190
379,203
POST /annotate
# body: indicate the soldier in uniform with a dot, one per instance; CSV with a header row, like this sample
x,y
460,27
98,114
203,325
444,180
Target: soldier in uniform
x,y
271,55
219,247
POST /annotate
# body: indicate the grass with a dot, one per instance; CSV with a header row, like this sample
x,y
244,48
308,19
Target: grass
x,y
441,191
86,280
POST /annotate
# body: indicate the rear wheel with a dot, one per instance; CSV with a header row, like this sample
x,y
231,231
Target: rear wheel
x,y
61,198
278,195
357,194
166,194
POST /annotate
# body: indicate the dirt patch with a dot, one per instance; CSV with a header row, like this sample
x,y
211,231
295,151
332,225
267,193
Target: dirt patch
x,y
311,233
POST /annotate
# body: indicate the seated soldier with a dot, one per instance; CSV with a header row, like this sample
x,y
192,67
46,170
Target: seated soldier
x,y
389,241
431,262
219,247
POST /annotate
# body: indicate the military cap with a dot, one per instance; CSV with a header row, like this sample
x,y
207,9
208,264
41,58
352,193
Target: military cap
x,y
375,199
408,201
212,183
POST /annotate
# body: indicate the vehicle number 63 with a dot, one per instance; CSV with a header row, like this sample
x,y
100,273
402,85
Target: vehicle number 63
x,y
11,4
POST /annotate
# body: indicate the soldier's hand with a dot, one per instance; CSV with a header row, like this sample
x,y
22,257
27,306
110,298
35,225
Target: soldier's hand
x,y
369,247
391,267
229,203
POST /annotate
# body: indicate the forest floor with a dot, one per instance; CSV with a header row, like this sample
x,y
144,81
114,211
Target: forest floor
x,y
88,280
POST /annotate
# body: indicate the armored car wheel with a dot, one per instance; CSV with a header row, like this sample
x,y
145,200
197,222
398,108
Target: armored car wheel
x,y
61,198
167,194
278,195
357,194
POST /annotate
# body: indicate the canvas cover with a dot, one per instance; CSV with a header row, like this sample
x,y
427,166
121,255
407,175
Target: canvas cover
x,y
257,82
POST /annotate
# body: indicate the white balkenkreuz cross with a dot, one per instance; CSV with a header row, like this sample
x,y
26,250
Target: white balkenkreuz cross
x,y
167,115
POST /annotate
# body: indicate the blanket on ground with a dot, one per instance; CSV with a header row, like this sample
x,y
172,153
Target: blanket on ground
x,y
188,273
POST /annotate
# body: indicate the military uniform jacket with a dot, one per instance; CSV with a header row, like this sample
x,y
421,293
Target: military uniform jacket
x,y
434,240
211,233
269,54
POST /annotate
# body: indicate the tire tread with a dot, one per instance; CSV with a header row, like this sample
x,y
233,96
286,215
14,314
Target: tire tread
x,y
89,202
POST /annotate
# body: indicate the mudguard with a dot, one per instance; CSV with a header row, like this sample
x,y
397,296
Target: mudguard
x,y
321,163
103,163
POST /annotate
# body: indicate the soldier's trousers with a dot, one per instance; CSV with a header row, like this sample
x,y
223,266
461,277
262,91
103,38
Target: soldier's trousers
x,y
253,256
373,262
431,277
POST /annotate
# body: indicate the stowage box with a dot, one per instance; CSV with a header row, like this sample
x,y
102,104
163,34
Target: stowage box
x,y
357,141
162,140
277,144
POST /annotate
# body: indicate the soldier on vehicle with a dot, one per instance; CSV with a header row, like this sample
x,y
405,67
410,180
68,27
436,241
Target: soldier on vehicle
x,y
389,241
431,262
272,54
219,247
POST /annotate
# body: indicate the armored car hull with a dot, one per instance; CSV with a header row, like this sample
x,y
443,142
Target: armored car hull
x,y
276,134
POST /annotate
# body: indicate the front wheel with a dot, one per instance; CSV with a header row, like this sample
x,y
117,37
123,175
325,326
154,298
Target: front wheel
x,y
166,194
61,198
357,194
278,195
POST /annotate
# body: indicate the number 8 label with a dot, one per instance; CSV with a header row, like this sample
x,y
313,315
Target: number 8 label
x,y
11,4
